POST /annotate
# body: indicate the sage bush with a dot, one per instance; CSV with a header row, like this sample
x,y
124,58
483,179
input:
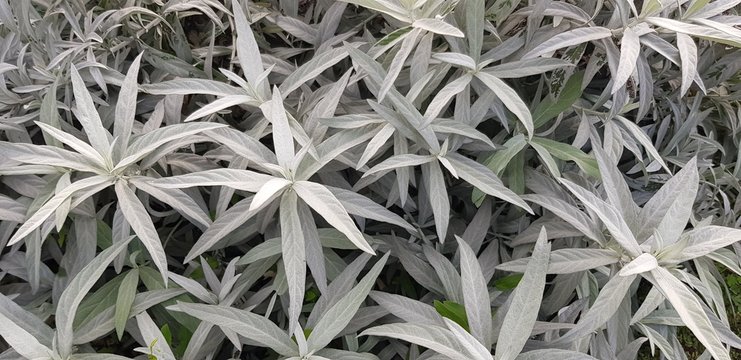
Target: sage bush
x,y
370,179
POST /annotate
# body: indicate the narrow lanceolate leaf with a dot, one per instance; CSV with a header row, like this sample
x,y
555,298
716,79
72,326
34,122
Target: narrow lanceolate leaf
x,y
282,136
567,261
294,255
327,205
668,211
47,155
523,310
78,145
76,291
438,199
644,262
399,161
475,295
146,143
605,306
704,240
21,341
152,336
339,315
609,215
554,354
88,115
246,180
124,299
43,213
433,337
569,38
268,191
690,311
438,27
141,223
630,47
615,186
126,105
248,51
192,86
510,98
688,57
484,179
312,69
256,328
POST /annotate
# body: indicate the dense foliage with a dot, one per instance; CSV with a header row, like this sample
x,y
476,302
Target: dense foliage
x,y
369,179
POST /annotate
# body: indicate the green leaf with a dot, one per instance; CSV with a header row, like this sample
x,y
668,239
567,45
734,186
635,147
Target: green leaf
x,y
508,282
124,299
549,108
453,311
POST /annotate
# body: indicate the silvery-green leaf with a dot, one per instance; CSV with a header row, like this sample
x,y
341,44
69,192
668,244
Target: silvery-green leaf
x,y
312,69
78,145
630,47
193,287
567,261
469,342
146,143
176,198
47,155
644,262
221,104
690,310
704,240
124,299
688,55
192,86
45,211
484,179
153,337
442,97
267,191
407,45
554,354
446,272
345,355
437,26
438,196
527,67
248,51
398,161
569,38
21,341
604,307
126,105
668,211
229,221
510,98
339,315
103,323
256,328
326,204
615,186
608,214
432,337
141,223
523,310
88,115
294,255
409,310
234,178
475,295
282,136
76,291
456,59
704,32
